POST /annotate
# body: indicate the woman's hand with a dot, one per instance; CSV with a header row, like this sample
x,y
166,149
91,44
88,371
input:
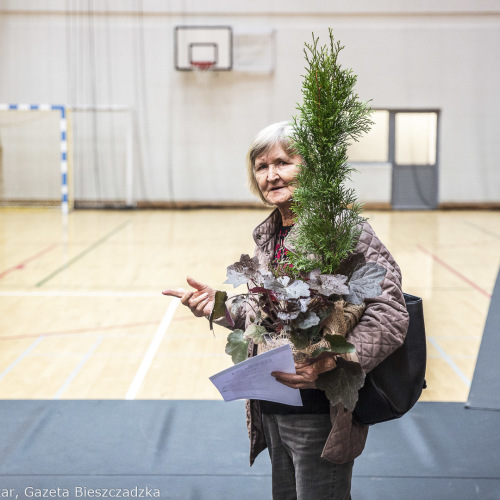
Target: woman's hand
x,y
200,300
306,373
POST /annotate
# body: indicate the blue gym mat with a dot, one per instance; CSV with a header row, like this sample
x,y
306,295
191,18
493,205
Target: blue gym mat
x,y
199,450
485,387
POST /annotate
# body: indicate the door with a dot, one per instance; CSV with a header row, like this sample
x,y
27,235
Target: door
x,y
413,142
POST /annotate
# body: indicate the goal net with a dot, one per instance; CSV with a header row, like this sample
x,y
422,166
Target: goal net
x,y
40,145
31,156
102,156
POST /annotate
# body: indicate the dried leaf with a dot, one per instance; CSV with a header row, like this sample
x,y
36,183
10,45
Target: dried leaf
x,y
341,385
219,308
237,346
365,283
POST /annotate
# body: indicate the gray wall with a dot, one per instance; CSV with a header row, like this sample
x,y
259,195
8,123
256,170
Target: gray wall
x,y
192,134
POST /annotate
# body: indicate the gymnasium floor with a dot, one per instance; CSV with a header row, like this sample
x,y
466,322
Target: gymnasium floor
x,y
82,315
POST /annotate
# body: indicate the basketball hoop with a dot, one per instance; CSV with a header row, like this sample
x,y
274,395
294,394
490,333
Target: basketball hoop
x,y
202,69
202,65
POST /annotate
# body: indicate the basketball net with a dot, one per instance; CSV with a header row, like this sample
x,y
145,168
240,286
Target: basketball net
x,y
202,70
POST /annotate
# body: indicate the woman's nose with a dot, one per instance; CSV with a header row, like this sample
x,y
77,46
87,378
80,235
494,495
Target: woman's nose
x,y
272,173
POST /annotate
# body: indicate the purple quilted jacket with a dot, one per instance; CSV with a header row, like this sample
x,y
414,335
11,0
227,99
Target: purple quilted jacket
x,y
380,331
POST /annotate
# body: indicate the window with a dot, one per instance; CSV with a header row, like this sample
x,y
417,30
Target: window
x,y
416,138
373,146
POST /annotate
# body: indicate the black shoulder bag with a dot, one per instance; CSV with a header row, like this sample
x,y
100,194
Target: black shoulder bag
x,y
394,386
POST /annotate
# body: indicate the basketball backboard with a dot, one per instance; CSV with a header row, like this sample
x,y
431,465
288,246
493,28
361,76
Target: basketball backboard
x,y
203,47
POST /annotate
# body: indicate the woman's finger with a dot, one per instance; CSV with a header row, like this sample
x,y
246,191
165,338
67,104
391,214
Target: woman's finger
x,y
200,308
186,297
197,299
290,378
305,370
297,383
303,379
174,293
196,284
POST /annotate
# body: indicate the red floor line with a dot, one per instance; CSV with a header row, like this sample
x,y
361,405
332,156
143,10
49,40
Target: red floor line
x,y
22,264
81,330
454,271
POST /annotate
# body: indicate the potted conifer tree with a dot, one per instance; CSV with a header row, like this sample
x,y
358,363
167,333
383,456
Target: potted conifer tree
x,y
316,296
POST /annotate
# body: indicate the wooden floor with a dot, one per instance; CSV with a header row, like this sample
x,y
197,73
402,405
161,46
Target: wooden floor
x,y
82,315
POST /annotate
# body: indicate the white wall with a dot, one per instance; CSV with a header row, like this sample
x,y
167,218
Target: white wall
x,y
192,135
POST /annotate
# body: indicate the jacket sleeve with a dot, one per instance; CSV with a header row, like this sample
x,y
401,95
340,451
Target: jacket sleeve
x,y
383,326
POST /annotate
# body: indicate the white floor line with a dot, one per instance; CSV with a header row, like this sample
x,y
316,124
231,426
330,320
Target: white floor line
x,y
75,372
450,361
21,357
152,349
82,293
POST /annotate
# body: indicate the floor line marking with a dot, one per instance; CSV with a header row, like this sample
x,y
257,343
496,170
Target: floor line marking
x,y
152,349
20,357
65,293
82,254
450,361
454,271
78,331
77,370
482,229
23,263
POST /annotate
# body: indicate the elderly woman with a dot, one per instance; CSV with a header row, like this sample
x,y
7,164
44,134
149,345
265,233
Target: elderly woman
x,y
312,447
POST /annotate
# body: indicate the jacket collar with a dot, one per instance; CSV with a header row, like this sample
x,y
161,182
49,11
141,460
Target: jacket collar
x,y
267,229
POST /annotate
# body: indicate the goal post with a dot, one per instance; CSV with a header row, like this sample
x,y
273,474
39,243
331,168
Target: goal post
x,y
63,143
80,155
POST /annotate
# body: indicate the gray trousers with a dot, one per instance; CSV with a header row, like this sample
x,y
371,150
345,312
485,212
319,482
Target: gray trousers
x,y
295,443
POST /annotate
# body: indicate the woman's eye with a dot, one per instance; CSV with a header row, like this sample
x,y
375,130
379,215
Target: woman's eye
x,y
282,163
261,167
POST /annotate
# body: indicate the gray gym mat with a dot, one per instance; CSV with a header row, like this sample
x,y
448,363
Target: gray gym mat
x,y
485,387
199,450
434,440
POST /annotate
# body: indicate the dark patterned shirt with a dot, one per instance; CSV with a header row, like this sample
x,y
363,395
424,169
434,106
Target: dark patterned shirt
x,y
280,252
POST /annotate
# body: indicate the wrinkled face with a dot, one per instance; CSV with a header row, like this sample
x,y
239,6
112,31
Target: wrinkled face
x,y
274,172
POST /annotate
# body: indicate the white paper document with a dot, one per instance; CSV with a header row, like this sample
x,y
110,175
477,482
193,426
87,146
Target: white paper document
x,y
251,379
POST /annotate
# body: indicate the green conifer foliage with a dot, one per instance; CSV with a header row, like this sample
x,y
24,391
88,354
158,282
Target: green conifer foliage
x,y
331,117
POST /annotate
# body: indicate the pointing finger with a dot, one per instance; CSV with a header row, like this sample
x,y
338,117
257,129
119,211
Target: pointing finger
x,y
174,293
